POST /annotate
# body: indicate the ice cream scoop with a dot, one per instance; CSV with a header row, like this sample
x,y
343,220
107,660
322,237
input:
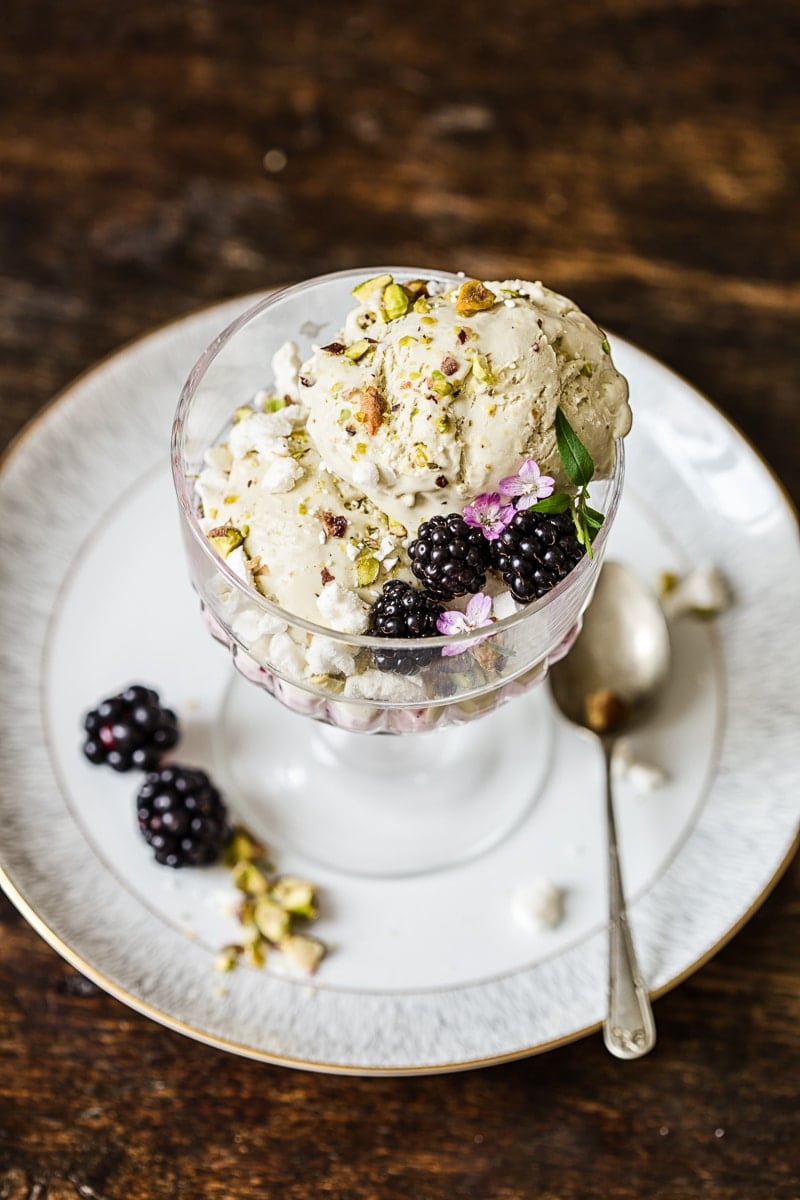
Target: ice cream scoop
x,y
426,400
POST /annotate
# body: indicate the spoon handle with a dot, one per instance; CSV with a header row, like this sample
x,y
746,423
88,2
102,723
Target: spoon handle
x,y
629,1030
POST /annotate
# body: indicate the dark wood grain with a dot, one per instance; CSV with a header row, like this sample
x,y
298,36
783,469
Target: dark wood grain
x,y
641,155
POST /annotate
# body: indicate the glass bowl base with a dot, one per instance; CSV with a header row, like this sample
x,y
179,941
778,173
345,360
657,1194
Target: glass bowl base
x,y
379,805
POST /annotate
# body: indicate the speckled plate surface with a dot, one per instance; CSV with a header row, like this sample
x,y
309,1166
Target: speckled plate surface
x,y
424,974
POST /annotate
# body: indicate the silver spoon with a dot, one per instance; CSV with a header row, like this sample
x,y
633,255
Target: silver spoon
x,y
606,684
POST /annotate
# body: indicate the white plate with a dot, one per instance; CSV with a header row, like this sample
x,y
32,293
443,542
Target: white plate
x,y
426,974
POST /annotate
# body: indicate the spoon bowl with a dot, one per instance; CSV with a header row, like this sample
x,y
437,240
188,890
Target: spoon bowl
x,y
622,653
607,684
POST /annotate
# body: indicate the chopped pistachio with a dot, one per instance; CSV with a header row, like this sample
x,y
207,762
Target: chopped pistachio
x,y
271,919
421,454
416,288
586,370
242,413
370,290
274,404
225,539
331,683
226,959
361,447
395,301
247,877
335,387
442,424
441,384
397,529
406,340
256,954
667,583
427,320
305,952
604,710
344,415
296,896
473,297
481,370
250,933
421,305
367,569
242,848
301,509
604,346
358,349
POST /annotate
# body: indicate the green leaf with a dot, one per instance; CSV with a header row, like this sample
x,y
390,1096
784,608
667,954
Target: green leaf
x,y
575,458
557,503
592,517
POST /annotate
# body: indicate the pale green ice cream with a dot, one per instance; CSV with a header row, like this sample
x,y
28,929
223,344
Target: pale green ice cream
x,y
309,541
424,410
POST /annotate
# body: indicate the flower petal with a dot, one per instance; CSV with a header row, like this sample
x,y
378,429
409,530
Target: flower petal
x,y
529,471
511,485
454,649
451,622
479,610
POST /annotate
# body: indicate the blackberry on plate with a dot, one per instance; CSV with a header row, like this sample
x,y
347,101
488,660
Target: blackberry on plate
x,y
182,816
449,557
130,730
535,552
403,611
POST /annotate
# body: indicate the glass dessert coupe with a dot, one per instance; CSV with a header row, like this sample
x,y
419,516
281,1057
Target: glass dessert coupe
x,y
468,767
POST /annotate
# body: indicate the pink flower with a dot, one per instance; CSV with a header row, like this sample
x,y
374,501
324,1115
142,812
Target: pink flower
x,y
529,485
488,513
478,614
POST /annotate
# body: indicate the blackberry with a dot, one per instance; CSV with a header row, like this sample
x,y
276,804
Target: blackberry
x,y
449,556
403,611
535,552
131,730
182,816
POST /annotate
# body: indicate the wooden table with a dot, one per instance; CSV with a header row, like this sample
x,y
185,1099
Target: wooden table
x,y
641,155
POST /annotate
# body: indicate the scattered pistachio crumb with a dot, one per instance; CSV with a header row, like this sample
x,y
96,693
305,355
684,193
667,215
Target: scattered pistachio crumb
x,y
441,384
269,910
481,370
225,539
358,349
473,297
367,569
395,301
